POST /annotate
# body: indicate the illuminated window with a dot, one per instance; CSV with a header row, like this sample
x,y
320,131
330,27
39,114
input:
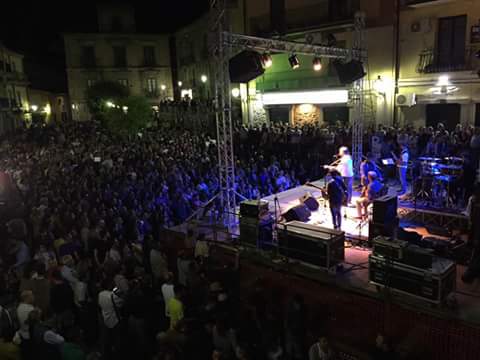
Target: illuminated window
x,y
124,82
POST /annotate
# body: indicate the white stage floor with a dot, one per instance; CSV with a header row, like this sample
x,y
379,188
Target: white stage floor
x,y
352,227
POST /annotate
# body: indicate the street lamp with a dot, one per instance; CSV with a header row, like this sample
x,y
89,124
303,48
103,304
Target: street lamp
x,y
204,78
34,108
180,84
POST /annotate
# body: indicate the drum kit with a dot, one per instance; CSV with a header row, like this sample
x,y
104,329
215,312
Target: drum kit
x,y
438,177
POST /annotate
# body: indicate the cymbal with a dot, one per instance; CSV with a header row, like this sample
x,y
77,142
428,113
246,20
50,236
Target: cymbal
x,y
428,159
454,158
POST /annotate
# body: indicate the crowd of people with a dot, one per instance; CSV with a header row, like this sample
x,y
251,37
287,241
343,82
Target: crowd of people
x,y
86,260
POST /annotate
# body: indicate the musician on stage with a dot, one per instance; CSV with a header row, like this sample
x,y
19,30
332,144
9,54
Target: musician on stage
x,y
402,165
336,193
369,193
369,165
345,168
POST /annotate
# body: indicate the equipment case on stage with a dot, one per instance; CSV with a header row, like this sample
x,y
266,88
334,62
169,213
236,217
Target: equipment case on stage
x,y
431,285
311,244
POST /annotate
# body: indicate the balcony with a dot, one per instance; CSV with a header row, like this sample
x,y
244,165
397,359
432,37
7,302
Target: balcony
x,y
16,76
429,64
151,94
423,3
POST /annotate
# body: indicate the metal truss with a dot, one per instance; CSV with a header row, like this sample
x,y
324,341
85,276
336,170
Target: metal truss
x,y
223,43
223,102
281,46
357,94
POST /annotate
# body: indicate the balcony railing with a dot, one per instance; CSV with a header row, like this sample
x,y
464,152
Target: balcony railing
x,y
419,3
429,63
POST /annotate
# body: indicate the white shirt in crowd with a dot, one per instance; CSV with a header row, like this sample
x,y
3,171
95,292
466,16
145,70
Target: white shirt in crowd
x,y
345,166
109,314
23,310
167,293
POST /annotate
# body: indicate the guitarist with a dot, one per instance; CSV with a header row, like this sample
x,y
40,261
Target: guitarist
x,y
337,192
402,165
345,168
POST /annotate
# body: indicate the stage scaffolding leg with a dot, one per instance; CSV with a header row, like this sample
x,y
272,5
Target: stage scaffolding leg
x,y
358,93
223,115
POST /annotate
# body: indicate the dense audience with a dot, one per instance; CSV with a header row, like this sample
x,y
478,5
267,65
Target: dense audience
x,y
88,261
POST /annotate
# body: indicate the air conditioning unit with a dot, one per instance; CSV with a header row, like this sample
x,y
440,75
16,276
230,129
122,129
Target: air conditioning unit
x,y
406,99
421,26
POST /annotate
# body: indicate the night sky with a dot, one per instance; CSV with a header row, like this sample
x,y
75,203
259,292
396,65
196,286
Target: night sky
x,y
35,29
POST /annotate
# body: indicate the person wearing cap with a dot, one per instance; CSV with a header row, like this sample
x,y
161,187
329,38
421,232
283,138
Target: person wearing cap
x,y
370,193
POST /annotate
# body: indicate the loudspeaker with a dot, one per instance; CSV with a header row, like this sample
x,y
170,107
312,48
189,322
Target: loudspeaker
x,y
245,66
350,71
253,208
255,232
384,209
310,202
300,213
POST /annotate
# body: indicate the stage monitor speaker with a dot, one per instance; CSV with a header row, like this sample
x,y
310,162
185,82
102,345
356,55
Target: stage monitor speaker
x,y
350,71
310,202
385,210
300,213
245,66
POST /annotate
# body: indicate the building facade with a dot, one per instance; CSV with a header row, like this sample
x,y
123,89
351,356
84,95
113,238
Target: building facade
x,y
439,63
307,21
141,62
13,90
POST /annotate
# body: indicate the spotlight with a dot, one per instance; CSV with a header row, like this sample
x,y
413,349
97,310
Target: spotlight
x,y
317,64
294,63
267,60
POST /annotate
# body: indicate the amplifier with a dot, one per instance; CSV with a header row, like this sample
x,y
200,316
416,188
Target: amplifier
x,y
255,232
388,248
433,285
384,209
253,208
311,244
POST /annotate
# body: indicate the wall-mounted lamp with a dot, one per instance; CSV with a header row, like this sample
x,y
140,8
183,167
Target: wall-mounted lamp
x,y
380,86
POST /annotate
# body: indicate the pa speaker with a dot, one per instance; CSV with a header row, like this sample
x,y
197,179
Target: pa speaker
x,y
300,213
350,71
310,202
385,210
245,66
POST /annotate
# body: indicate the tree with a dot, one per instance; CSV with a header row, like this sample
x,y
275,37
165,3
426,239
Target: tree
x,y
129,116
102,92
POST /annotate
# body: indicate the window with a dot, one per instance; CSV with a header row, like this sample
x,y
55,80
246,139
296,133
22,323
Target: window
x,y
119,56
339,10
90,83
124,82
451,41
88,56
152,86
149,55
277,15
117,25
14,68
8,65
19,99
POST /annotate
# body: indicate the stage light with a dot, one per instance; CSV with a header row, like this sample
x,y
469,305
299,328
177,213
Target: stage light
x,y
267,60
309,97
294,62
380,86
163,87
110,104
34,108
180,84
235,92
204,78
317,64
47,109
443,80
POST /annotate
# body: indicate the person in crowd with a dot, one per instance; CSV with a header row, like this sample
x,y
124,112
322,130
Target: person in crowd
x,y
368,165
158,263
110,303
321,350
175,306
402,165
